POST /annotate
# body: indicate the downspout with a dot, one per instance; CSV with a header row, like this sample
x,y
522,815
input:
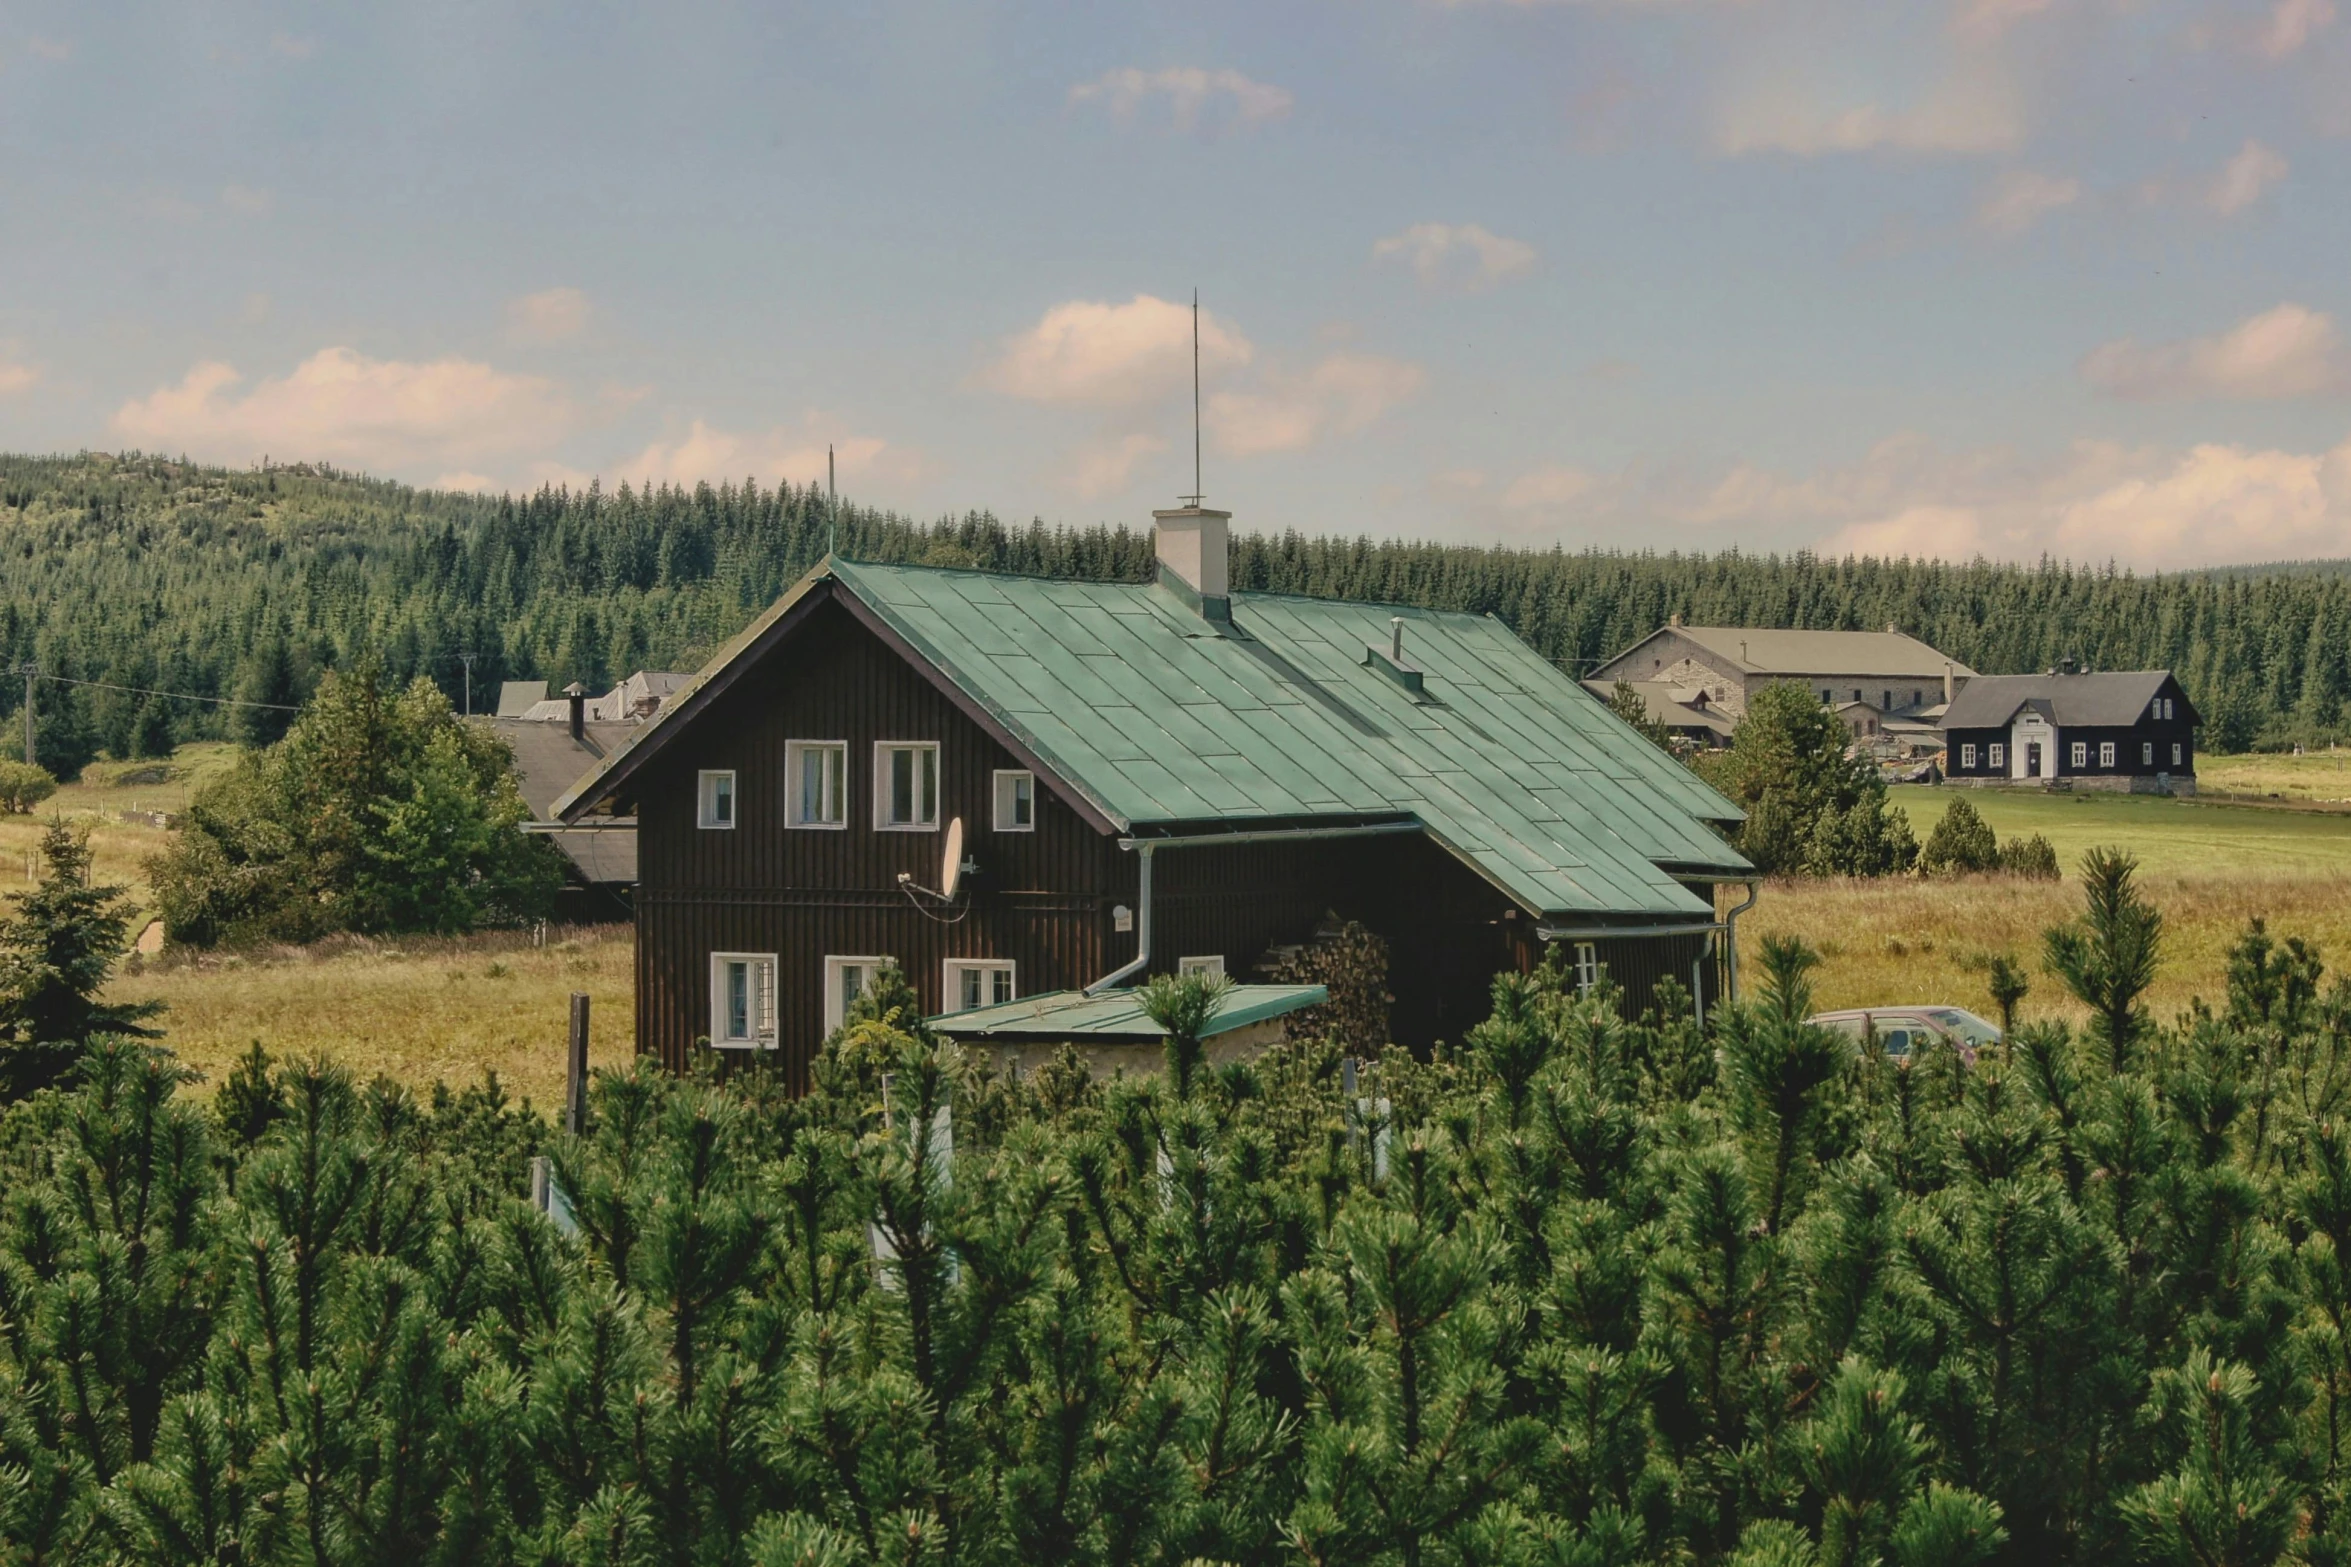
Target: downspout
x,y
1142,928
1144,848
1730,929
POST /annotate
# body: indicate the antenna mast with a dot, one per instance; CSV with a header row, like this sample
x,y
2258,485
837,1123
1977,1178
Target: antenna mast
x,y
1195,497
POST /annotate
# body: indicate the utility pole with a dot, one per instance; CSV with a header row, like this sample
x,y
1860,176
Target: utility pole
x,y
467,660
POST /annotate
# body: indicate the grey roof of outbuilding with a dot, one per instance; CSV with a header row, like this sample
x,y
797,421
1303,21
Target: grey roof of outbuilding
x,y
516,696
1158,719
547,761
2107,700
1846,654
1663,699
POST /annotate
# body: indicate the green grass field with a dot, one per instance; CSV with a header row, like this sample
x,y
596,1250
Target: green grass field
x,y
2320,776
2208,865
2168,835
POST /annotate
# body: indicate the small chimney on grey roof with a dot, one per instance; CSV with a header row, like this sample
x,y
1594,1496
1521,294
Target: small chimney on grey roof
x,y
1194,546
579,709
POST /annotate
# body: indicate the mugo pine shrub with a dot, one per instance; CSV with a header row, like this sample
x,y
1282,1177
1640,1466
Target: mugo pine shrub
x,y
1581,1292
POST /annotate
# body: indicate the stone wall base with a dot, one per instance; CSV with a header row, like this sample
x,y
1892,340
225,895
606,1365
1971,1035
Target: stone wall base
x,y
2183,785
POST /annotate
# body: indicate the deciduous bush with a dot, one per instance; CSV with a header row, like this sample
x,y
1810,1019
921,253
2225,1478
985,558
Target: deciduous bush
x,y
23,786
378,811
1811,808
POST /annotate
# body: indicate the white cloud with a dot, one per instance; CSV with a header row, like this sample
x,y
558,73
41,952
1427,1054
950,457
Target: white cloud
x,y
2291,25
477,483
2289,351
2019,198
1106,466
1092,353
1464,256
290,47
1973,114
1987,19
1193,96
340,406
1549,486
783,452
51,48
2209,505
2242,180
1338,396
17,377
549,316
2150,507
246,201
2226,191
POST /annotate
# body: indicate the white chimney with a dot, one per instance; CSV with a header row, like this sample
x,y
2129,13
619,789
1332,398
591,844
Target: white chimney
x,y
1192,544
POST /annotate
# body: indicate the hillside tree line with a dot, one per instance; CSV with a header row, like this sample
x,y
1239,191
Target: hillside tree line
x,y
147,574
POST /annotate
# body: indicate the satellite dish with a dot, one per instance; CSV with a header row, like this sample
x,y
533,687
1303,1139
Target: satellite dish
x,y
951,866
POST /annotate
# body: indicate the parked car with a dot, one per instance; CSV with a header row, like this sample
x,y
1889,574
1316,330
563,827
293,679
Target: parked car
x,y
1902,1032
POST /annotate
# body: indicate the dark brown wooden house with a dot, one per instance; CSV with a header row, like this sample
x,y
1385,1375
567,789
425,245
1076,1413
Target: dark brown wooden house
x,y
1006,786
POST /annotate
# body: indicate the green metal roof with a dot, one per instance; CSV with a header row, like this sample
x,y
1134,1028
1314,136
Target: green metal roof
x,y
1163,719
1118,1014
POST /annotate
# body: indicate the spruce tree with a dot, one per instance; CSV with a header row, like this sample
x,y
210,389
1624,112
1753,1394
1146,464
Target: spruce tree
x,y
58,946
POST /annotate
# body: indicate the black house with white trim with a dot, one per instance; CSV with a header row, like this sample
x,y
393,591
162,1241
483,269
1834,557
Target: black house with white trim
x,y
2132,731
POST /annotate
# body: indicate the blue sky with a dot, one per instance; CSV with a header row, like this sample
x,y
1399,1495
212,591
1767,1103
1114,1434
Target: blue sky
x,y
1996,276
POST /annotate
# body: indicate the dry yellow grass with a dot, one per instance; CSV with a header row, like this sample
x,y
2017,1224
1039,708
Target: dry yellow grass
x,y
97,802
1886,943
2321,775
415,1008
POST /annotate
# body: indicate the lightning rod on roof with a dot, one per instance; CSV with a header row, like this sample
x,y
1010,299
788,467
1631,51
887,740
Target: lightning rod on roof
x,y
1195,497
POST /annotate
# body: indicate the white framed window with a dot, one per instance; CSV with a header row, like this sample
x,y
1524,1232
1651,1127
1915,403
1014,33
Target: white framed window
x,y
1587,967
846,979
1999,754
1016,800
2165,704
2146,753
972,983
1211,965
743,1000
715,797
1967,756
816,774
2175,754
2081,753
2106,753
906,785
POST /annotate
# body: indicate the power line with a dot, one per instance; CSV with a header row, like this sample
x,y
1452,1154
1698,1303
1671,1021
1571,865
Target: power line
x,y
176,696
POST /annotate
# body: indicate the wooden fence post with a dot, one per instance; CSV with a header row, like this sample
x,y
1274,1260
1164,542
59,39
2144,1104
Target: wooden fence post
x,y
575,1099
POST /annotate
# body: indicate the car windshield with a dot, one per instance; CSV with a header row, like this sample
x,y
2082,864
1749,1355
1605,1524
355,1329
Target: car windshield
x,y
1966,1025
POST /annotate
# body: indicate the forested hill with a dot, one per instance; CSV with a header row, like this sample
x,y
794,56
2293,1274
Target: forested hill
x,y
141,572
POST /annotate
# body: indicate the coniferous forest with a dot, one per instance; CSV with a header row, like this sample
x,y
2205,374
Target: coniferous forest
x,y
201,582
1581,1293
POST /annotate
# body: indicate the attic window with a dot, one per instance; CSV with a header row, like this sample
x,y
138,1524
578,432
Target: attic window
x,y
715,808
1016,800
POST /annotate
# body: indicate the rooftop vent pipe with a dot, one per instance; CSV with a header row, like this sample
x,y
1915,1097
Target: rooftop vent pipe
x,y
579,709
